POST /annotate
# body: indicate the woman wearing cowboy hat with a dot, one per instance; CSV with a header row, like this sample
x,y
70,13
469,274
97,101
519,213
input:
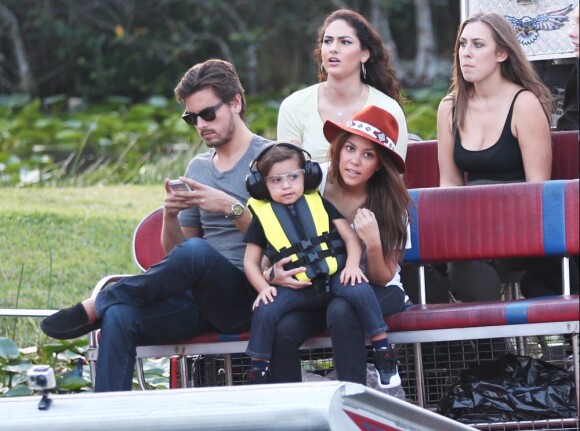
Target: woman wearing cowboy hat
x,y
363,181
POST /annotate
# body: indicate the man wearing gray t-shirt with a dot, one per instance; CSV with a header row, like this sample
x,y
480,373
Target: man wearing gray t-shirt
x,y
200,285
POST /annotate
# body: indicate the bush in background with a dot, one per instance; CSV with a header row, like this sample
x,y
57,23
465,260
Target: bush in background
x,y
62,142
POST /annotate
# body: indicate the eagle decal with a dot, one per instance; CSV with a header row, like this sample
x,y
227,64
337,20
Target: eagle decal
x,y
527,28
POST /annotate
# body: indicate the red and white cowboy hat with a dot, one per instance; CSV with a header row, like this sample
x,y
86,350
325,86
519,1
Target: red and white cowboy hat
x,y
374,124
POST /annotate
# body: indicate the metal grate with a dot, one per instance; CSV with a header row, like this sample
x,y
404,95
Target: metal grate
x,y
442,362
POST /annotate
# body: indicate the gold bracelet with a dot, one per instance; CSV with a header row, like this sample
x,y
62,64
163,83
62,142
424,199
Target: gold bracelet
x,y
264,272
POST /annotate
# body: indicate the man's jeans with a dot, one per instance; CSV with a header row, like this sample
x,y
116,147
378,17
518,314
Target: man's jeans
x,y
192,290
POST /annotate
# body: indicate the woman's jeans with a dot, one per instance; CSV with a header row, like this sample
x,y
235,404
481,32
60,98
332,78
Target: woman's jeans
x,y
266,316
192,290
346,332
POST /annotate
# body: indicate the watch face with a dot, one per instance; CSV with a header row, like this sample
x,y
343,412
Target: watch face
x,y
237,210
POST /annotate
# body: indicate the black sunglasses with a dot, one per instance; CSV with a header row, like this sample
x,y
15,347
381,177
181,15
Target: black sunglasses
x,y
207,114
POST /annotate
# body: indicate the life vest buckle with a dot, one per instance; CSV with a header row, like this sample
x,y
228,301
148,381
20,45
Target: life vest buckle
x,y
304,244
311,257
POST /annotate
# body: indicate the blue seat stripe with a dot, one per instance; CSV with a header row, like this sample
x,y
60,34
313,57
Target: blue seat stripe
x,y
412,254
516,313
554,217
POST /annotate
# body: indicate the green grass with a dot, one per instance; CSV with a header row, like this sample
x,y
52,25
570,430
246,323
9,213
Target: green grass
x,y
56,243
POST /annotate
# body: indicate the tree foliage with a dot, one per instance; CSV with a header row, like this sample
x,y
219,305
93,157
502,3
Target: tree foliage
x,y
92,49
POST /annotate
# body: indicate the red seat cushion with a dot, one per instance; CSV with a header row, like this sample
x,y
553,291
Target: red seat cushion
x,y
493,313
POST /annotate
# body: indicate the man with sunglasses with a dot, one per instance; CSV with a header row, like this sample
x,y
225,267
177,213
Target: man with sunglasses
x,y
200,285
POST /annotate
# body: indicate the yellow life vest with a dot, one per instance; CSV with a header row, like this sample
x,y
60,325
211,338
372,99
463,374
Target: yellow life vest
x,y
304,232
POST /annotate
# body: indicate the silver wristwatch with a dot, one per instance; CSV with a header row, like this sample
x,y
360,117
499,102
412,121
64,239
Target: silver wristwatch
x,y
236,211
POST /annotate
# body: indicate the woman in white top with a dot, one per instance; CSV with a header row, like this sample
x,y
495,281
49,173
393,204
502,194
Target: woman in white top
x,y
354,72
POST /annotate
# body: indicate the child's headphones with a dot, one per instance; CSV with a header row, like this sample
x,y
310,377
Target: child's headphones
x,y
256,185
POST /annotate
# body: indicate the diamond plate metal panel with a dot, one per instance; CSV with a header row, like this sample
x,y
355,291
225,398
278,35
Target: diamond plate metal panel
x,y
542,25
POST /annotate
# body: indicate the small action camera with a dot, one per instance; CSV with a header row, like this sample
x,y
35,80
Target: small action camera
x,y
41,378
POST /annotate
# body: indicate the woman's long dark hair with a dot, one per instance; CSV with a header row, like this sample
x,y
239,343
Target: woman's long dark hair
x,y
387,196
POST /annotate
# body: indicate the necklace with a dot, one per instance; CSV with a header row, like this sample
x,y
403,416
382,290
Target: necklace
x,y
348,105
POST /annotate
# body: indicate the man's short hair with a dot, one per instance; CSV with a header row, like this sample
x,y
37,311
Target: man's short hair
x,y
217,74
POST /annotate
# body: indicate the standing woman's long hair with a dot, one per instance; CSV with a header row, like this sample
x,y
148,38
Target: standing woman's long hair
x,y
516,67
387,196
379,70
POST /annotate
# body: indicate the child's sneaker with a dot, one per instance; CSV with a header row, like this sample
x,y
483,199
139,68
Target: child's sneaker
x,y
386,365
257,376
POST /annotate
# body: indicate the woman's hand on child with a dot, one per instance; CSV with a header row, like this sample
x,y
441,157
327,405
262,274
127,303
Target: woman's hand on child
x,y
285,278
266,296
352,275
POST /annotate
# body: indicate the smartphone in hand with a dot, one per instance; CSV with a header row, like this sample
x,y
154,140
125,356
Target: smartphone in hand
x,y
179,186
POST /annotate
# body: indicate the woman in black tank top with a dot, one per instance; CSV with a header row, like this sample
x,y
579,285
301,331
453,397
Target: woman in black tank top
x,y
493,127
502,162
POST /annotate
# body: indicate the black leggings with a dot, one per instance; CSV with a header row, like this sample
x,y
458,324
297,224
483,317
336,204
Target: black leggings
x,y
544,277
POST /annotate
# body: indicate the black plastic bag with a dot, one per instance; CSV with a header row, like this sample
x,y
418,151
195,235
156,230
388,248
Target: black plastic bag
x,y
512,388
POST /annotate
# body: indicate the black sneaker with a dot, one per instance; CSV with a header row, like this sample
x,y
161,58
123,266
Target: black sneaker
x,y
257,376
386,365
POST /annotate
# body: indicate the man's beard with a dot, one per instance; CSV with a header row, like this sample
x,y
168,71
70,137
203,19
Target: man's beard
x,y
224,138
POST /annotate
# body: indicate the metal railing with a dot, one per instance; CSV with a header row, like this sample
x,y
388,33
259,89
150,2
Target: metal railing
x,y
25,312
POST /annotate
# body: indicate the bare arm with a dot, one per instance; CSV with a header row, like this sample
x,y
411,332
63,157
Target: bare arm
x,y
449,173
351,241
252,258
381,266
352,271
532,129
